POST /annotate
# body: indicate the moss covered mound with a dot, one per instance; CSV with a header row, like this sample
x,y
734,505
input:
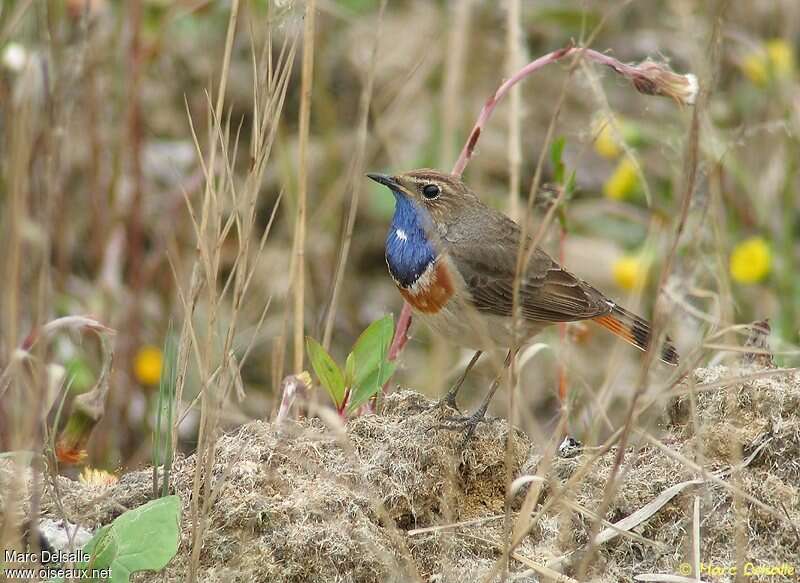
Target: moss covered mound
x,y
305,501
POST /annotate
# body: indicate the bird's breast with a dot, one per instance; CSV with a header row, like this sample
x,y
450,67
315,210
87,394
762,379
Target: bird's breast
x,y
432,289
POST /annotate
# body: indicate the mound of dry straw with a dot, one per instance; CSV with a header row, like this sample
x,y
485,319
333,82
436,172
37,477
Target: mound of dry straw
x,y
304,502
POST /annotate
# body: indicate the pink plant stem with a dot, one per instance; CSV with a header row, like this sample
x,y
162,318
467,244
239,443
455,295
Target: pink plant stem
x,y
400,338
647,77
401,333
489,107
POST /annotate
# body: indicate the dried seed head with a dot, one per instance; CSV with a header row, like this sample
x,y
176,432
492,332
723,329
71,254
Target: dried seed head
x,y
653,78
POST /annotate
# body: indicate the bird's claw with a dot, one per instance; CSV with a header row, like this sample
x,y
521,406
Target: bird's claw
x,y
466,423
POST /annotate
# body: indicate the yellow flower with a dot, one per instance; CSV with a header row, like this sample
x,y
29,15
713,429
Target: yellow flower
x,y
94,477
781,57
630,272
750,260
754,67
607,142
775,59
147,365
623,181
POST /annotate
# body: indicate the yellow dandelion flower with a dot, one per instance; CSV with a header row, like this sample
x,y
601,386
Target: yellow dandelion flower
x,y
774,60
630,272
623,181
147,365
750,261
781,57
94,477
607,142
755,67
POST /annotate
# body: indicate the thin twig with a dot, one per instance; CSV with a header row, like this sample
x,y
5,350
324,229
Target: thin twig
x,y
302,184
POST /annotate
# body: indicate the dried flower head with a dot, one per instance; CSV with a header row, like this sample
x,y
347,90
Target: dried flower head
x,y
653,78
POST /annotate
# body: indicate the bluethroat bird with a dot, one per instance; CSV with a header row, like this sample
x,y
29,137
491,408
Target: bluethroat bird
x,y
454,260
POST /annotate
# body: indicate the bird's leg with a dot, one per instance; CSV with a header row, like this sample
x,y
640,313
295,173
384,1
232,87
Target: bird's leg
x,y
450,398
470,422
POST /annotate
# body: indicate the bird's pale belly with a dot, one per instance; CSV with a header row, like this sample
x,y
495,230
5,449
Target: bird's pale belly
x,y
435,301
466,327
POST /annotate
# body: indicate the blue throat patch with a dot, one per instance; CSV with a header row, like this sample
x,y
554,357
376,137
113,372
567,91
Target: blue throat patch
x,y
408,251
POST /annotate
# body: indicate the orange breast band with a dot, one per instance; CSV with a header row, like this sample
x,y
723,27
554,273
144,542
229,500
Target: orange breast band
x,y
431,291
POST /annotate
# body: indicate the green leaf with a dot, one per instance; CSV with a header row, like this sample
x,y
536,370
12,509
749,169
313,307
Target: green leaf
x,y
142,539
557,150
371,349
327,371
371,384
570,185
350,370
556,153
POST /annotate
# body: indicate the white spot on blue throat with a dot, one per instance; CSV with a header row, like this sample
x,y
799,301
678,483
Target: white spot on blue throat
x,y
401,234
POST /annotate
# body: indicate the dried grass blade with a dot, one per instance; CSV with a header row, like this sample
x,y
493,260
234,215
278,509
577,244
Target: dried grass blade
x,y
636,518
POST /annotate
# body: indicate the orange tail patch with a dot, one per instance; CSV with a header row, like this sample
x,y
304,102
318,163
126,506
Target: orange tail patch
x,y
635,331
616,327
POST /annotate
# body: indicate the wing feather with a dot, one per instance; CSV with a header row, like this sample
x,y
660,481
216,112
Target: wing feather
x,y
548,293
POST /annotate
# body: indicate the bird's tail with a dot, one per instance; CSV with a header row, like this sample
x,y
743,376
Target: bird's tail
x,y
636,331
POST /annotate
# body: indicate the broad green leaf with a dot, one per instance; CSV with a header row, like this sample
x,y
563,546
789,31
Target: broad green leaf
x,y
370,349
369,386
142,539
327,371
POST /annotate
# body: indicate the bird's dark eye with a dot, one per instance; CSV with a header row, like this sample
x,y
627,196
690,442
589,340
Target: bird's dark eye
x,y
431,191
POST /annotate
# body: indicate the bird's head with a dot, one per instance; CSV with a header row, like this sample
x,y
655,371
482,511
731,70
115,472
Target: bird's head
x,y
440,198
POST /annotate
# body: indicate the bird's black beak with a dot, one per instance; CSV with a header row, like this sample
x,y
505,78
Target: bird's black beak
x,y
385,180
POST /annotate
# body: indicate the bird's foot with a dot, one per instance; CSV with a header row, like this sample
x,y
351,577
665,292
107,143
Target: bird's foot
x,y
466,423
